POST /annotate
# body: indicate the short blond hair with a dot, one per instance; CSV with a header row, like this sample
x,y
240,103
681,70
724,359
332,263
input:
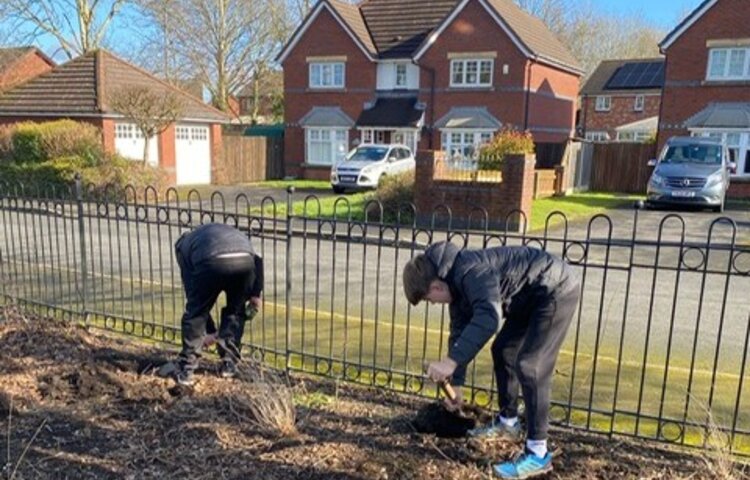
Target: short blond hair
x,y
419,273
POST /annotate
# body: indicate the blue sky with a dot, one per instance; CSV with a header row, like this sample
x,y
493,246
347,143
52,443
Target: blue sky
x,y
664,13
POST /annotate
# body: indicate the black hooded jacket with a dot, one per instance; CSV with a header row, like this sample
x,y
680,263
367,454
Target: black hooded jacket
x,y
215,239
489,285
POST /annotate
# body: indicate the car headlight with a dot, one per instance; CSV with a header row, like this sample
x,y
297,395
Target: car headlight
x,y
367,170
334,177
714,179
657,180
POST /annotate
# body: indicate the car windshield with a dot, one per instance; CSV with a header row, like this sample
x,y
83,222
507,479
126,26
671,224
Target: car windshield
x,y
368,154
702,154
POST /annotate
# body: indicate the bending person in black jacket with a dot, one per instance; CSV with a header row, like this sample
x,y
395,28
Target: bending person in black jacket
x,y
216,258
525,296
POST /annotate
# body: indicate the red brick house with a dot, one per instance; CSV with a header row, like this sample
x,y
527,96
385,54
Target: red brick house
x,y
20,64
80,89
621,99
432,74
707,86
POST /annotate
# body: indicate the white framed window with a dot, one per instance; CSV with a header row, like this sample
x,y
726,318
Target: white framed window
x,y
326,146
603,103
401,75
640,102
472,73
728,64
327,75
463,144
597,136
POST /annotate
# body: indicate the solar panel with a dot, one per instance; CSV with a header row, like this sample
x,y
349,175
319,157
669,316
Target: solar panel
x,y
637,75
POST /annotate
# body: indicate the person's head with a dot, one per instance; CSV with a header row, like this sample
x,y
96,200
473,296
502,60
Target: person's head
x,y
421,282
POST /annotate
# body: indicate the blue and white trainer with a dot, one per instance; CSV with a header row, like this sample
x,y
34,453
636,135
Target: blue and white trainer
x,y
524,465
496,429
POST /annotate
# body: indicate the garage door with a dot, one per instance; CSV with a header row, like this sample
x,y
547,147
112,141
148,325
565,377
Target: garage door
x,y
193,154
129,143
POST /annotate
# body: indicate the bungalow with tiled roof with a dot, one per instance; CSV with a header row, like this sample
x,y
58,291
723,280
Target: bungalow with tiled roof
x,y
80,90
431,74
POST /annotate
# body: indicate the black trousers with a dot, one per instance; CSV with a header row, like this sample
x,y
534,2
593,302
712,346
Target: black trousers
x,y
203,283
524,354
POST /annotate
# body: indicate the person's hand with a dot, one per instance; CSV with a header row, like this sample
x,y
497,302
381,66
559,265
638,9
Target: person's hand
x,y
256,301
441,371
455,404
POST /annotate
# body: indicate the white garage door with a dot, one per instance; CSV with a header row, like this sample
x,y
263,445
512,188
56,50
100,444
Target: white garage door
x,y
193,152
129,143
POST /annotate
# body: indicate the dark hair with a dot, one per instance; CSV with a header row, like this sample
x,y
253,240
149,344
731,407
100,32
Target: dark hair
x,y
419,273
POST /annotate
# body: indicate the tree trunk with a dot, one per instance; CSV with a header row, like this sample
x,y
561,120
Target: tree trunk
x,y
146,142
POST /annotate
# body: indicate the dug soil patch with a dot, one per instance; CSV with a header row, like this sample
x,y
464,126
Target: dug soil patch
x,y
79,396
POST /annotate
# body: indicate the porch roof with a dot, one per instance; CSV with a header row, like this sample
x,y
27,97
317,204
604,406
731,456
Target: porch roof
x,y
722,115
397,112
469,117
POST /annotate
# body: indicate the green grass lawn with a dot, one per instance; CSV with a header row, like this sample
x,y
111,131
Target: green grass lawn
x,y
575,207
205,191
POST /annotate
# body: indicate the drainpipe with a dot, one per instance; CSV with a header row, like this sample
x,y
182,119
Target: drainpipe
x,y
585,113
431,124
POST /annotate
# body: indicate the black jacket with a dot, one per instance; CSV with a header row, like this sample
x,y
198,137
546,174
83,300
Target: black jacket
x,y
214,239
489,285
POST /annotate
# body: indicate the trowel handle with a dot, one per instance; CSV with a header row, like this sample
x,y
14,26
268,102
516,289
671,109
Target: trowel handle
x,y
447,389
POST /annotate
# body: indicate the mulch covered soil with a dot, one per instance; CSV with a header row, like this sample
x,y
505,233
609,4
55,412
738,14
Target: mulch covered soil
x,y
73,405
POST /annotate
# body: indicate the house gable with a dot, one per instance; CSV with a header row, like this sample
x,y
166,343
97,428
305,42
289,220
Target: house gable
x,y
688,22
529,35
364,43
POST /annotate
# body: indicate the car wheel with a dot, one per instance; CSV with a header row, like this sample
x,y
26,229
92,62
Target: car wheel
x,y
338,190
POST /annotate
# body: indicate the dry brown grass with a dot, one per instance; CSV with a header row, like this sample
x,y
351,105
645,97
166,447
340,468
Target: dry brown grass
x,y
267,397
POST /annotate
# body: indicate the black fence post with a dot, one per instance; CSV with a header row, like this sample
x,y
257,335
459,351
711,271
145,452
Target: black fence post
x,y
288,262
81,242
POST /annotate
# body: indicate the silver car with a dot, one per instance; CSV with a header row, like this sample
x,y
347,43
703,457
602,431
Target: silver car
x,y
691,171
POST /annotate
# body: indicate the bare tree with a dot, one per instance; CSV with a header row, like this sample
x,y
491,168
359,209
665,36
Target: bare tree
x,y
151,111
78,26
222,41
593,35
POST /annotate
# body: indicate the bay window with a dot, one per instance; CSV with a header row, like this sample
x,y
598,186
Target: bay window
x,y
326,146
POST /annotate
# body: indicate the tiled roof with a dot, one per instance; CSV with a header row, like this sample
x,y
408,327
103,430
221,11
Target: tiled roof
x,y
598,80
83,85
352,15
399,27
534,33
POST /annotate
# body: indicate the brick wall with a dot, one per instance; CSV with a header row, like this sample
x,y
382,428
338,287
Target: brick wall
x,y
29,66
739,188
466,199
621,113
686,91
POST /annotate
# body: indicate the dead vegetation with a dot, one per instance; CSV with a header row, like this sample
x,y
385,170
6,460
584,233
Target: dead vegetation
x,y
72,406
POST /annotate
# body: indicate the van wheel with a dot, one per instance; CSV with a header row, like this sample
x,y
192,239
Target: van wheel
x,y
720,208
338,190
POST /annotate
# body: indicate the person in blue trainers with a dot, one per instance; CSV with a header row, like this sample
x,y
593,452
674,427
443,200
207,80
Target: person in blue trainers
x,y
216,258
524,296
